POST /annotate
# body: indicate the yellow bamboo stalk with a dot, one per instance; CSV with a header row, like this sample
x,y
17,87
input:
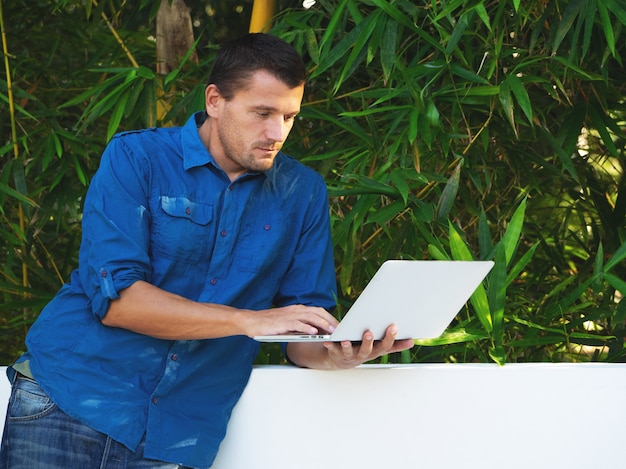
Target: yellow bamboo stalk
x,y
117,37
16,148
262,13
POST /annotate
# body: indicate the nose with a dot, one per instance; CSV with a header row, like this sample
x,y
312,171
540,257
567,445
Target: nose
x,y
277,129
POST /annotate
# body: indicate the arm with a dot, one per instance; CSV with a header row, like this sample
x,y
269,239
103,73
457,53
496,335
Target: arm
x,y
343,355
148,310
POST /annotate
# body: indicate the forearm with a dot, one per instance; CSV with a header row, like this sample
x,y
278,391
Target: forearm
x,y
148,310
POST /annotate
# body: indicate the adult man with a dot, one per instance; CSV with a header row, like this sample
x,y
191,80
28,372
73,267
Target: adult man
x,y
195,239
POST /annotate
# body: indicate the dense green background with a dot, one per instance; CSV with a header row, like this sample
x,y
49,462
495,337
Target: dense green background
x,y
444,129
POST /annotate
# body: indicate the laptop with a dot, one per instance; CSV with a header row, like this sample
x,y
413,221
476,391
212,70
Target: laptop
x,y
421,297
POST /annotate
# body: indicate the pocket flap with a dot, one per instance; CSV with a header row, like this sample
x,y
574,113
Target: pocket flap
x,y
182,207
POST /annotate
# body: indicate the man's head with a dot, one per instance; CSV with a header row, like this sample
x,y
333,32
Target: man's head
x,y
253,96
238,59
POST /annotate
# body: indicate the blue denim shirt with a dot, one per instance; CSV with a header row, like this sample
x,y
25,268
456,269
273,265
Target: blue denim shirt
x,y
160,210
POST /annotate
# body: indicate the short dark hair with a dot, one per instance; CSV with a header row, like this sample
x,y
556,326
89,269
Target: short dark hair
x,y
238,59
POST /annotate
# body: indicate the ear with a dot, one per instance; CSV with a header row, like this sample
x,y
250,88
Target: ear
x,y
212,98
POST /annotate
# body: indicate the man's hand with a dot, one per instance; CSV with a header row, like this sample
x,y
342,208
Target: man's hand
x,y
348,355
343,355
297,319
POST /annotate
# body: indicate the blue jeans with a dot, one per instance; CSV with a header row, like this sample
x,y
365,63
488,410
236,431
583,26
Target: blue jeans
x,y
38,435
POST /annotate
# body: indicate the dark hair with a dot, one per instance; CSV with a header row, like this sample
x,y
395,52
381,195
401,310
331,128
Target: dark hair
x,y
238,59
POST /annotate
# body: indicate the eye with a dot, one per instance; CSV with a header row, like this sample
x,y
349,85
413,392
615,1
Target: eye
x,y
263,115
290,117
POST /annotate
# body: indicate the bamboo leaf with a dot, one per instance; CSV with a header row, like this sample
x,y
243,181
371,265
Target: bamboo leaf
x,y
388,48
616,282
446,201
365,29
398,179
617,257
312,47
478,300
521,96
573,9
458,31
497,295
453,336
484,235
607,27
506,101
437,253
331,29
520,265
116,116
599,123
618,9
458,246
598,269
512,235
6,189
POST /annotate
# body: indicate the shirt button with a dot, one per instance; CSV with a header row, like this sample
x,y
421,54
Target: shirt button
x,y
155,400
213,281
223,233
267,227
103,274
174,357
188,211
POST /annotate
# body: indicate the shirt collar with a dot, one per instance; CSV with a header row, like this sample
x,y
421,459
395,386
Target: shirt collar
x,y
194,152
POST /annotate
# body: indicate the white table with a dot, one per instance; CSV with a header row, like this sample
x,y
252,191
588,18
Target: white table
x,y
427,416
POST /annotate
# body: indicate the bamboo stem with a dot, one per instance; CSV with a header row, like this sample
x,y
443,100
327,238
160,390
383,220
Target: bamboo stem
x,y
117,37
16,150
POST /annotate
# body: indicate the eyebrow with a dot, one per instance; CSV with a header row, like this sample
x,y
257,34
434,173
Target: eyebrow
x,y
262,107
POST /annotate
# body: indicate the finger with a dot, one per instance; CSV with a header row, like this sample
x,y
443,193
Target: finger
x,y
367,346
319,318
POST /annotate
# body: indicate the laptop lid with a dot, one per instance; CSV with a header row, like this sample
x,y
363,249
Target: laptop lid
x,y
421,297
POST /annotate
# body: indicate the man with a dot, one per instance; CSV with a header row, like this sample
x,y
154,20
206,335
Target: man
x,y
195,240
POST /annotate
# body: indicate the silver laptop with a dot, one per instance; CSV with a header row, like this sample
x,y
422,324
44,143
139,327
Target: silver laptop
x,y
420,297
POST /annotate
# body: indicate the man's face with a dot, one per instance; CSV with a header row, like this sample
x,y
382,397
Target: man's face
x,y
247,131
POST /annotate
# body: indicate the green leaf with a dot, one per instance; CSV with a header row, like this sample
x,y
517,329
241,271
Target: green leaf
x,y
497,295
521,96
458,31
484,235
607,27
397,176
116,116
600,124
449,194
616,282
453,336
512,235
617,257
6,189
388,48
312,46
506,100
573,9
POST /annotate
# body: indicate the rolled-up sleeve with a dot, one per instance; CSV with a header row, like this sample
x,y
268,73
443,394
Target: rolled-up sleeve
x,y
116,226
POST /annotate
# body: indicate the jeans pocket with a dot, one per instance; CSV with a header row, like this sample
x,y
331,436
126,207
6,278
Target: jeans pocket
x,y
28,401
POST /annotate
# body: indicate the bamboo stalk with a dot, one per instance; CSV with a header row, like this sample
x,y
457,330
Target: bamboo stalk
x,y
16,148
117,37
262,12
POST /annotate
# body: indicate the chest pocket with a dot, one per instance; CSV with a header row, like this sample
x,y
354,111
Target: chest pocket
x,y
184,230
265,244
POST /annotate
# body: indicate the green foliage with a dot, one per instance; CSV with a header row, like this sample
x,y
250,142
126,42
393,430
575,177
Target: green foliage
x,y
456,129
477,130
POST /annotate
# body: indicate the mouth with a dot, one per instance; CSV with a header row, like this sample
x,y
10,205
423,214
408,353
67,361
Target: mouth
x,y
267,151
